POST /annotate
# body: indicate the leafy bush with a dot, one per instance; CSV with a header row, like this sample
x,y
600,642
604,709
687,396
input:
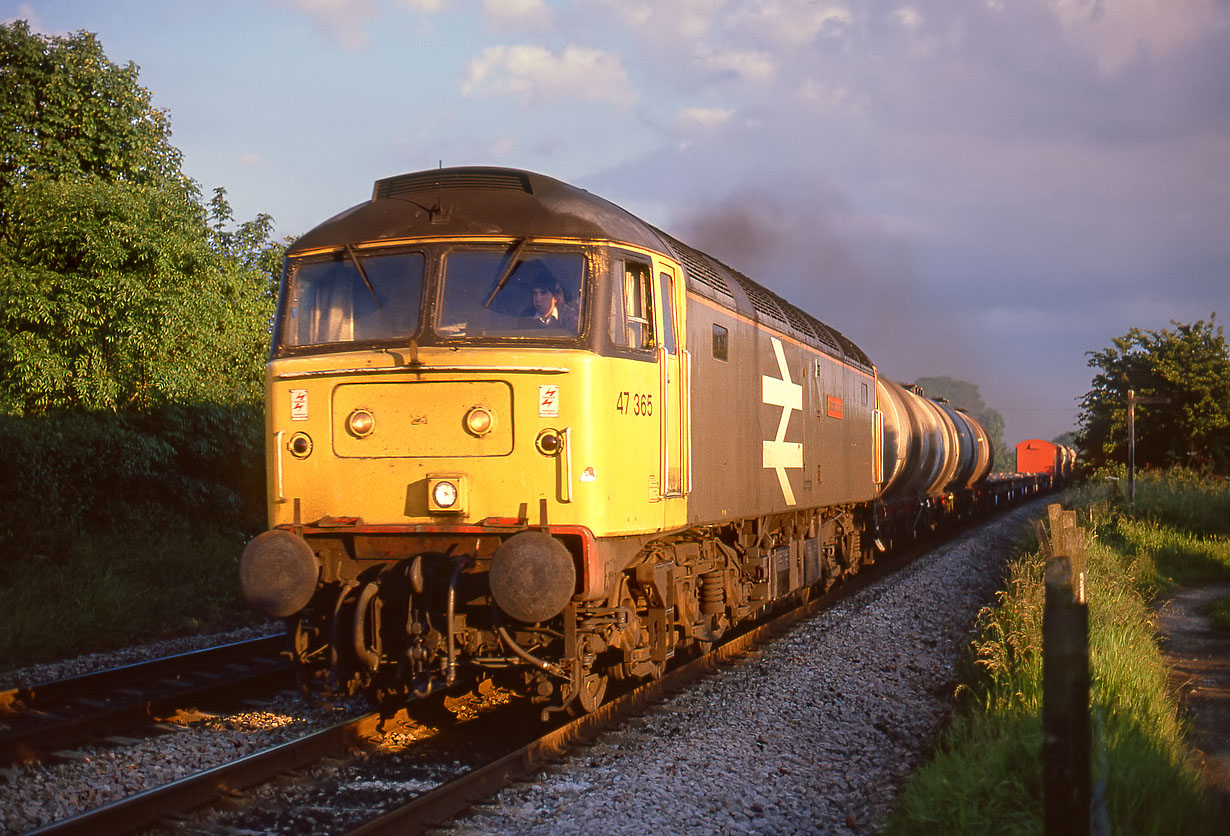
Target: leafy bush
x,y
72,472
124,527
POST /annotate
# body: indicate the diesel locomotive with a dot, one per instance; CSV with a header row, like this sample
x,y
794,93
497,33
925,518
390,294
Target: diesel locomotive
x,y
516,432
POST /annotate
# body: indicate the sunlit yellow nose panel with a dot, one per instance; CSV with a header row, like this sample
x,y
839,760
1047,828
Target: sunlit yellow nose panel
x,y
422,420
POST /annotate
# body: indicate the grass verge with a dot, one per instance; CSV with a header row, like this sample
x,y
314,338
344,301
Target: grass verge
x,y
112,589
986,775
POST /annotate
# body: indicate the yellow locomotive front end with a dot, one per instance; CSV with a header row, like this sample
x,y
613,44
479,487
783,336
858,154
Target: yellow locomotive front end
x,y
469,437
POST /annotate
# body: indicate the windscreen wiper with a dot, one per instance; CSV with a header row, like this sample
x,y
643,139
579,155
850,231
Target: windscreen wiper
x,y
354,259
514,259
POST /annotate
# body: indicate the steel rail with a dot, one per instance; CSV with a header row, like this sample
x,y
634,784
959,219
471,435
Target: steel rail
x,y
453,797
67,711
148,807
447,801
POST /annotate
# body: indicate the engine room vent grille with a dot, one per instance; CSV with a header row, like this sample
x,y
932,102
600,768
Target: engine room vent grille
x,y
703,273
800,321
761,299
432,181
851,350
825,334
697,266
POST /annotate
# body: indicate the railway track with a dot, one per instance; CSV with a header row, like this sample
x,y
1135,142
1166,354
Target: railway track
x,y
38,721
160,807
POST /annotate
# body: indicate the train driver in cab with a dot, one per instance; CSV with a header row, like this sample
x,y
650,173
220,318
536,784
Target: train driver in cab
x,y
548,300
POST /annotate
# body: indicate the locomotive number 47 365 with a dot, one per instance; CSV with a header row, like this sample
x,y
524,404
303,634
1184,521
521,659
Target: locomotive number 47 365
x,y
632,403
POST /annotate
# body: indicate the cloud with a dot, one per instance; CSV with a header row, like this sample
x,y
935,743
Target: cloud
x,y
703,118
668,20
693,122
427,7
535,74
909,17
525,13
27,13
748,65
832,96
792,23
343,21
1116,32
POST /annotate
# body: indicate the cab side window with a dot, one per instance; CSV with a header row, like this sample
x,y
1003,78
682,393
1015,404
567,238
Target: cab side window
x,y
667,283
632,305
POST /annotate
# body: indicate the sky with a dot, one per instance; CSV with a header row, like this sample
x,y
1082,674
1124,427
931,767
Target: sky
x,y
985,189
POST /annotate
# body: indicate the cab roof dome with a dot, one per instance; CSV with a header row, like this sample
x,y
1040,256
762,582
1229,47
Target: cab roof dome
x,y
479,201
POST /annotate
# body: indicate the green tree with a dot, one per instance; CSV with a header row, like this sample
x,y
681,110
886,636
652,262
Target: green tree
x,y
1190,366
134,323
66,111
966,396
118,289
1068,439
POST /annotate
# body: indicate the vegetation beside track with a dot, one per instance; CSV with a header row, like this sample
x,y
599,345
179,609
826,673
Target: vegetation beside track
x,y
986,776
124,528
134,323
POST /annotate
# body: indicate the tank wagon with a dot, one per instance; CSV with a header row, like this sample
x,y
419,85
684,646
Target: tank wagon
x,y
1044,457
513,430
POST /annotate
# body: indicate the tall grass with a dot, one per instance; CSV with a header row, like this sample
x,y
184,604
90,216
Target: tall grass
x,y
986,776
1183,500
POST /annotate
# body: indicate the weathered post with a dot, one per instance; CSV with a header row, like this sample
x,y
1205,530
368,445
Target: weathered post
x,y
1131,433
1132,400
1065,680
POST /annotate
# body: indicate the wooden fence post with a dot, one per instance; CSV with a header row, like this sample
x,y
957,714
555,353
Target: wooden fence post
x,y
1065,679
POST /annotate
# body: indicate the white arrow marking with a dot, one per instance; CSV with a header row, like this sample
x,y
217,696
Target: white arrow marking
x,y
780,454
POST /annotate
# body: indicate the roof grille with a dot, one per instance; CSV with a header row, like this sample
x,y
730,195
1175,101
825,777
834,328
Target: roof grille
x,y
851,350
696,265
798,319
436,181
760,298
704,274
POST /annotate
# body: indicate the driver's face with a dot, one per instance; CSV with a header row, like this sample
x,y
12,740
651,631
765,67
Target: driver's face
x,y
544,301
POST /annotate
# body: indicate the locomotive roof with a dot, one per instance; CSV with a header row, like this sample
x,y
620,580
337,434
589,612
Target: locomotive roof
x,y
510,202
480,201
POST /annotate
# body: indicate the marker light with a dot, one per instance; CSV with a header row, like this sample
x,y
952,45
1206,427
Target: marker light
x,y
479,421
360,423
300,445
549,442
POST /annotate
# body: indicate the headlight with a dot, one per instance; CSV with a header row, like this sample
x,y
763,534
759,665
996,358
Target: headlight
x,y
360,423
444,494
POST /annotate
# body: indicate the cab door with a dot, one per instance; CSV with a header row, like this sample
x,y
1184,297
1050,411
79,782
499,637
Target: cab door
x,y
652,397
